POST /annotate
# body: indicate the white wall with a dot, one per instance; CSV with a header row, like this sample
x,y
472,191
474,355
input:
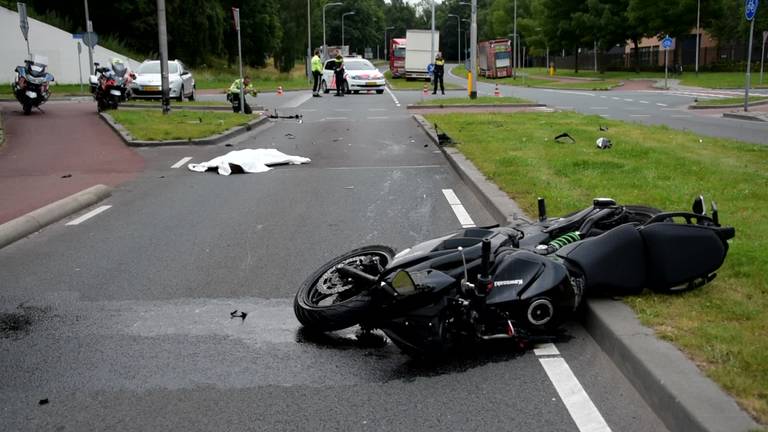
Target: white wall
x,y
48,41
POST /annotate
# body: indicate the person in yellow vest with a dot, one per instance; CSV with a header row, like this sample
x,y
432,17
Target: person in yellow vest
x,y
233,94
438,72
317,70
339,74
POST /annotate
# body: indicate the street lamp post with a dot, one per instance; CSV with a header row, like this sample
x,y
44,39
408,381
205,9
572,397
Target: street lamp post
x,y
325,47
473,50
309,42
458,35
386,42
698,34
514,30
342,26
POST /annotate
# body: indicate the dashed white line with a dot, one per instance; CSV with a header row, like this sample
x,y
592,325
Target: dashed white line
x,y
581,408
680,116
644,102
337,118
639,115
394,98
378,118
615,98
661,104
89,215
181,162
629,100
598,108
458,209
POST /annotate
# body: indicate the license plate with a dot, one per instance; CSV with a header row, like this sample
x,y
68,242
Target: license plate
x,y
151,88
371,83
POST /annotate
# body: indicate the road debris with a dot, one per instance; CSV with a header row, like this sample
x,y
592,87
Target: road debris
x,y
235,314
603,143
564,138
248,161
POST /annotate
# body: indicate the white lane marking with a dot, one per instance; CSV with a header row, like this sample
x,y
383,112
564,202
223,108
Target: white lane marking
x,y
181,162
378,118
629,100
603,97
639,115
598,108
547,349
89,215
458,209
661,104
295,102
337,118
307,110
645,102
680,116
583,412
569,92
615,98
394,98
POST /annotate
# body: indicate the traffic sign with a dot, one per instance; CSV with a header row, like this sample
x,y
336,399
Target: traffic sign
x,y
750,9
23,21
90,39
430,68
765,36
667,42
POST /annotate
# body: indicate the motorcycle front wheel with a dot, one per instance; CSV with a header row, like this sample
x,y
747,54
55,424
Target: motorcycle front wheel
x,y
326,301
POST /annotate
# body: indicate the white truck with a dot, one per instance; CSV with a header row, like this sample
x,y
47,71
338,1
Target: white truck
x,y
418,55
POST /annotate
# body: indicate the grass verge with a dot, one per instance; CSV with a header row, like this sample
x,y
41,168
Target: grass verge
x,y
538,82
739,100
403,84
481,100
262,79
156,102
152,125
722,326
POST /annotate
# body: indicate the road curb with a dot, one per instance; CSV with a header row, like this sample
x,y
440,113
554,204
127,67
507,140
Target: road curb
x,y
741,105
38,219
674,388
745,116
211,140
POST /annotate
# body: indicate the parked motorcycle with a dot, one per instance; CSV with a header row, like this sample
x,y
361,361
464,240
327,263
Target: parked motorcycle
x,y
31,84
516,283
111,86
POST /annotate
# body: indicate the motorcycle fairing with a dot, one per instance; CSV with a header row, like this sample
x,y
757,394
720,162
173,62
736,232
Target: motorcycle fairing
x,y
520,275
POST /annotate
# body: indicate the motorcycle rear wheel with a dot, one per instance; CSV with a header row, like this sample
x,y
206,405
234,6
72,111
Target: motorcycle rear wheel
x,y
27,107
343,304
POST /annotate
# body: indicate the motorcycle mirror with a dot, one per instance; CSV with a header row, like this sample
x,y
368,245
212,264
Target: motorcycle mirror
x,y
698,205
715,215
403,283
542,209
96,64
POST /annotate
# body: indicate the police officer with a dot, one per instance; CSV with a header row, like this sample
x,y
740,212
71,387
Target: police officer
x,y
339,74
233,94
438,72
317,70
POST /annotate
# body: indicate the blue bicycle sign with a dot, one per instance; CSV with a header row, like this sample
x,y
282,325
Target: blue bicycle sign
x,y
750,9
666,43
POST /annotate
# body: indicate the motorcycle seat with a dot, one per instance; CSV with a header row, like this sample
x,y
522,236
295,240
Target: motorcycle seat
x,y
613,263
680,253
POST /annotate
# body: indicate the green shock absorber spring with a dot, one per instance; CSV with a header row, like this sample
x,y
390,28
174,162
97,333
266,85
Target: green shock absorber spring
x,y
565,239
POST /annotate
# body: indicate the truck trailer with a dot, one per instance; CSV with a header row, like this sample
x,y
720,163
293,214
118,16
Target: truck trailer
x,y
397,50
418,54
495,58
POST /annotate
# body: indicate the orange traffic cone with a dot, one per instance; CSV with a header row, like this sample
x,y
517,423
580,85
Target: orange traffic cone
x,y
496,92
425,91
279,90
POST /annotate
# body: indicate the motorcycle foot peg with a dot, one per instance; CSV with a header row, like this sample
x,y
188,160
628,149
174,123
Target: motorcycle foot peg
x,y
542,209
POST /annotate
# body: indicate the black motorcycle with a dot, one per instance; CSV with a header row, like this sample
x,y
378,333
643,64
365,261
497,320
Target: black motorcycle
x,y
111,85
31,84
516,283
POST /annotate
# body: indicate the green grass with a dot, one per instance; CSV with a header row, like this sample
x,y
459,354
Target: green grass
x,y
403,84
56,90
262,79
152,125
156,102
481,100
527,81
722,326
739,100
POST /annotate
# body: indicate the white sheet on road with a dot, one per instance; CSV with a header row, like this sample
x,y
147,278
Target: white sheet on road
x,y
250,160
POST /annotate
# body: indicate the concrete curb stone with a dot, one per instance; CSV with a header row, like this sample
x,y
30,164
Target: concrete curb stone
x,y
212,140
760,117
706,107
38,219
675,389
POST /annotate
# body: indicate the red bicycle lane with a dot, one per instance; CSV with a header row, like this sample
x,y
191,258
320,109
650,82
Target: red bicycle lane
x,y
51,155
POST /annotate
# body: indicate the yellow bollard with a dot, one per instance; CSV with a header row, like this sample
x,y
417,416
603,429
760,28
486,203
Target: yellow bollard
x,y
552,70
469,82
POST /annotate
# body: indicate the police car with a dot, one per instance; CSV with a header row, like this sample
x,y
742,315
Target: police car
x,y
360,75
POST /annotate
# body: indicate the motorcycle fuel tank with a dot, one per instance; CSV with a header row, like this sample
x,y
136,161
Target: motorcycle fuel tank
x,y
519,275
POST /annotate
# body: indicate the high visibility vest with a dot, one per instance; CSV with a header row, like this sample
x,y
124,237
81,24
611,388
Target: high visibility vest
x,y
317,64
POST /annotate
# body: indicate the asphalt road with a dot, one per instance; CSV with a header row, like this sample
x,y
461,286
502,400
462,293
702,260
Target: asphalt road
x,y
122,322
648,106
